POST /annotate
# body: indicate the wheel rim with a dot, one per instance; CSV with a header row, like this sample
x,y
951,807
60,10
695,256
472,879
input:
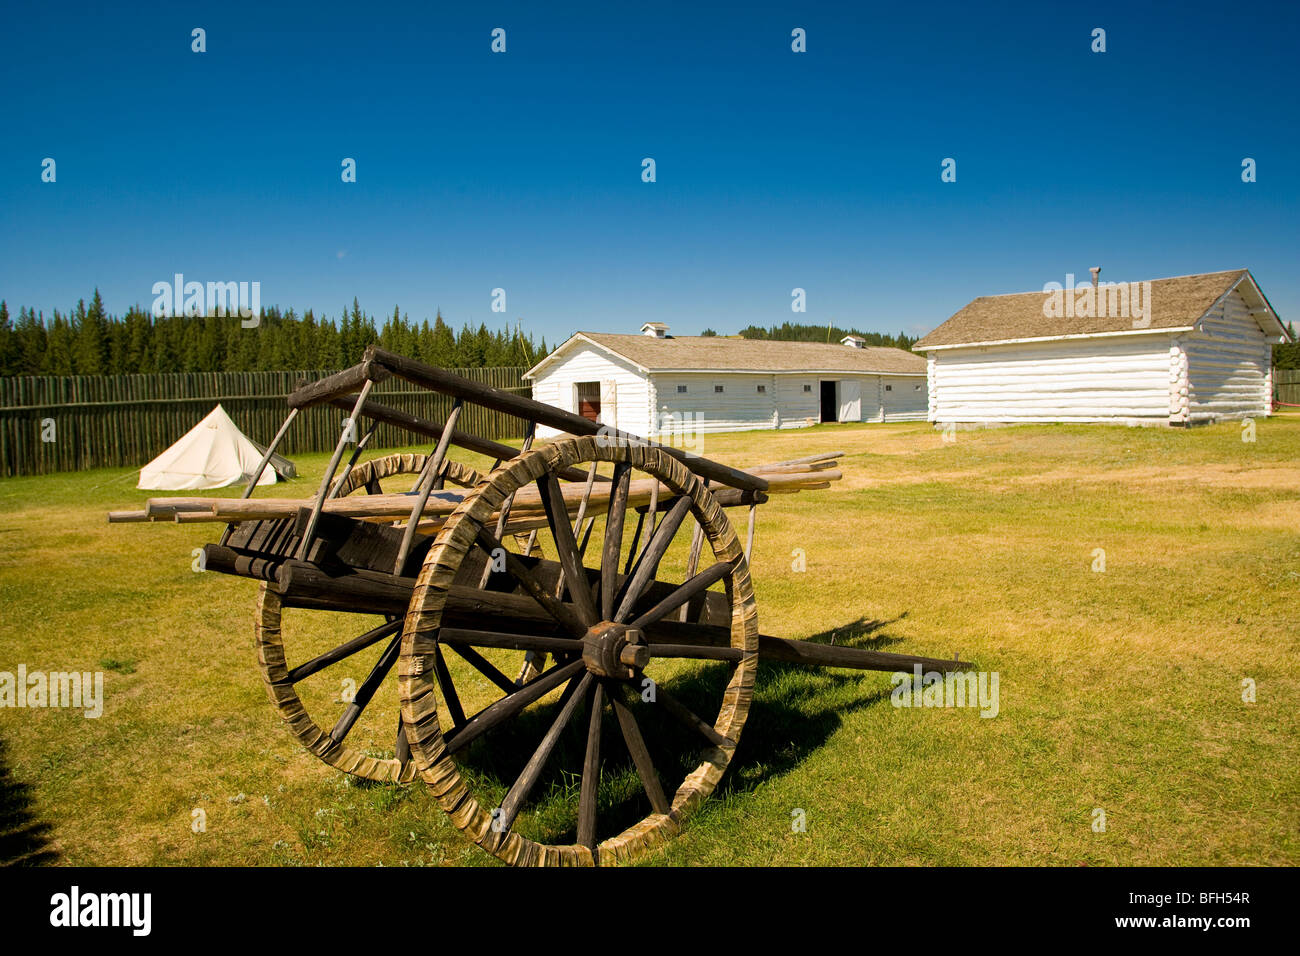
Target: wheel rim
x,y
587,671
282,686
330,743
376,469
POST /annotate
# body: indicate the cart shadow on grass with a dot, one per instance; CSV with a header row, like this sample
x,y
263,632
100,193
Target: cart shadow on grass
x,y
24,840
795,711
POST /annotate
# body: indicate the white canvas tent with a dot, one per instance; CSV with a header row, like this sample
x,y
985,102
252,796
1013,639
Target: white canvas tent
x,y
212,454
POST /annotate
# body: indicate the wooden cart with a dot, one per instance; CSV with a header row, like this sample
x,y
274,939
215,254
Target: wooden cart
x,y
508,564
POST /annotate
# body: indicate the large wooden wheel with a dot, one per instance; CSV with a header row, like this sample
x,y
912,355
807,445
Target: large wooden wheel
x,y
330,648
336,742
614,639
369,474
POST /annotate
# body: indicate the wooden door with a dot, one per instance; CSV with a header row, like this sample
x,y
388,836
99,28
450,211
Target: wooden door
x,y
589,400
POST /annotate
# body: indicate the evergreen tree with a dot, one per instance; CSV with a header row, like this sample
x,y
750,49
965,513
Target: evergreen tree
x,y
443,348
32,343
1287,354
91,351
795,332
89,341
60,344
8,343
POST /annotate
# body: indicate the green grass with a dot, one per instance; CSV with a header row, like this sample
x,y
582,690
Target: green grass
x,y
1120,690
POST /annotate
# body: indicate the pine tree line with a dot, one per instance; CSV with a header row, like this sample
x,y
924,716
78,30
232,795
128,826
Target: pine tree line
x,y
88,341
795,332
1287,355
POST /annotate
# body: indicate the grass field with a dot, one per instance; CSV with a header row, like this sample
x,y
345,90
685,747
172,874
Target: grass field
x,y
1120,690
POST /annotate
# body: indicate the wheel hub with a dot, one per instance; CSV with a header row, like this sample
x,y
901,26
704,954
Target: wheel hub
x,y
614,650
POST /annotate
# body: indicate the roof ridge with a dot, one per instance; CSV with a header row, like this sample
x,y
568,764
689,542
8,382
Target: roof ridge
x,y
1190,275
1178,302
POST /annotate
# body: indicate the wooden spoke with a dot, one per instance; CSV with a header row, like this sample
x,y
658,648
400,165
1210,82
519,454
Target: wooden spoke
x,y
682,714
636,542
693,560
613,545
367,689
283,684
403,748
503,516
442,610
586,498
591,771
322,661
648,563
449,695
645,767
520,572
586,538
698,651
683,594
653,511
485,667
510,640
527,779
356,478
558,519
749,534
492,716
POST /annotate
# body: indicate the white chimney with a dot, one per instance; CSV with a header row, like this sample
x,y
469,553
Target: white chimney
x,y
657,330
1096,271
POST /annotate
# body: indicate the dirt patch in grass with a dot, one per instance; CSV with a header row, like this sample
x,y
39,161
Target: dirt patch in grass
x,y
1286,479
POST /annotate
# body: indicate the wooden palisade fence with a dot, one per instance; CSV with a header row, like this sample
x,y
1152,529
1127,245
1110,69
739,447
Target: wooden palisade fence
x,y
1286,386
127,420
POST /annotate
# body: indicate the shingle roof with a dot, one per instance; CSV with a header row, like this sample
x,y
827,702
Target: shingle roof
x,y
707,352
1175,303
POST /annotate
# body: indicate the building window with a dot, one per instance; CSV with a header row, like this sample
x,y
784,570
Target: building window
x,y
762,389
717,388
681,389
889,388
917,388
807,388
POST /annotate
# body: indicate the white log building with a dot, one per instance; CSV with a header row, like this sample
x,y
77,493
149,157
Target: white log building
x,y
654,384
1170,351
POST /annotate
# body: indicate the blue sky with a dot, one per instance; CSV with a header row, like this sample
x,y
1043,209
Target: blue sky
x,y
522,170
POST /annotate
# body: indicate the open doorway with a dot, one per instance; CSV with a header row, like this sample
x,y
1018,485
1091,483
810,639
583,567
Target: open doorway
x,y
830,406
588,400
